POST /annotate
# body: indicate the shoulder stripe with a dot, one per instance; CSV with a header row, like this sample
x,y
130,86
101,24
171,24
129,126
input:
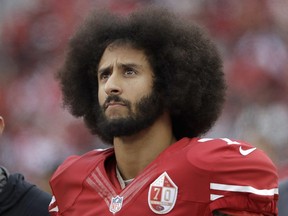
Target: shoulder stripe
x,y
247,189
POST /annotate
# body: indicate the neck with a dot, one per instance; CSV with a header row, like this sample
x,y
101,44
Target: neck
x,y
134,153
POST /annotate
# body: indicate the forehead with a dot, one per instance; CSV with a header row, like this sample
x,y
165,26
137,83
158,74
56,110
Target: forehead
x,y
124,53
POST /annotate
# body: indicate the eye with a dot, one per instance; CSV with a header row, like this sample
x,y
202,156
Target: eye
x,y
129,71
104,75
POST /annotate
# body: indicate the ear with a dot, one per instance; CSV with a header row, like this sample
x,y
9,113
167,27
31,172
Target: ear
x,y
1,124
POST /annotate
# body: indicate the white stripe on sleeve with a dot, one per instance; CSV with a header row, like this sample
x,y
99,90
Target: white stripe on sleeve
x,y
247,189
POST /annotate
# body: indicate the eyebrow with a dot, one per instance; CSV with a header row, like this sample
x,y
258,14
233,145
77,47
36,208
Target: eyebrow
x,y
121,65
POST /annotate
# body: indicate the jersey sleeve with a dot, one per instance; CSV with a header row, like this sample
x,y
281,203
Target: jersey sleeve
x,y
53,206
67,181
241,177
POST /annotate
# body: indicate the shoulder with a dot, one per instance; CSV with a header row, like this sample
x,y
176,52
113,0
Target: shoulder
x,y
83,163
240,175
66,182
227,152
232,159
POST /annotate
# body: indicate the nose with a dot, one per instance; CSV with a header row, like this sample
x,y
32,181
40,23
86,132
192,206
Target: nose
x,y
112,85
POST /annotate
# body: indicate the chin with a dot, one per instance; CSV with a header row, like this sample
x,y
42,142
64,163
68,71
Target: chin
x,y
115,115
115,118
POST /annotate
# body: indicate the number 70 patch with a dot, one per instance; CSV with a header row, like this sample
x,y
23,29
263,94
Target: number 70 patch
x,y
162,194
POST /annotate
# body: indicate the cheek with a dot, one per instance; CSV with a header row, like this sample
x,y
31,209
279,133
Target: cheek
x,y
101,97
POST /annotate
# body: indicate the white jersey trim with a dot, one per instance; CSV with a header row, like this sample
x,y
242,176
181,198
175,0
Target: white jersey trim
x,y
55,209
247,189
215,196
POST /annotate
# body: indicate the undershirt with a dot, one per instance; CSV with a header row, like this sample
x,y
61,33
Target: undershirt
x,y
123,183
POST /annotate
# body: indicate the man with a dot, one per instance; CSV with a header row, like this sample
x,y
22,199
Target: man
x,y
146,95
149,84
18,197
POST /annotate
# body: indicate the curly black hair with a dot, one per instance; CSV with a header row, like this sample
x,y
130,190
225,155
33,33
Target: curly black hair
x,y
187,66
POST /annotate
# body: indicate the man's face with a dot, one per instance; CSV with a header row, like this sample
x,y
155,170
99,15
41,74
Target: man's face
x,y
1,125
125,72
127,101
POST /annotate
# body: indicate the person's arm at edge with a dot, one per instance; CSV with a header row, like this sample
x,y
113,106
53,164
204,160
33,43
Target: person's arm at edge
x,y
19,197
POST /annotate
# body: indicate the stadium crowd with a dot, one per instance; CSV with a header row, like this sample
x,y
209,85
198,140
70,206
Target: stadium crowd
x,y
39,134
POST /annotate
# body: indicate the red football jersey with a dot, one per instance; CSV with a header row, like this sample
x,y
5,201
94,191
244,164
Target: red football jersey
x,y
191,177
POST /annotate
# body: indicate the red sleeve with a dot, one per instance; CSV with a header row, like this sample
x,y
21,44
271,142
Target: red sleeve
x,y
70,160
67,181
241,177
53,206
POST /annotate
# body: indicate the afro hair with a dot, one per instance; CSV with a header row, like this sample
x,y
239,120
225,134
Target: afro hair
x,y
187,66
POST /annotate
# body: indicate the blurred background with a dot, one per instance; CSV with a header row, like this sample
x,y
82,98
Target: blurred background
x,y
252,36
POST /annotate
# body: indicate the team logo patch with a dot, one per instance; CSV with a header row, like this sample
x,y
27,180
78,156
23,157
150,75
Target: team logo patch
x,y
162,194
116,204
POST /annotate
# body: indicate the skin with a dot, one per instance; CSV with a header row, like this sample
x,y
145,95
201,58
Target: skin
x,y
133,153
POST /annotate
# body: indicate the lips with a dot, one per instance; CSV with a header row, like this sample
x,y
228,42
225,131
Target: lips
x,y
113,103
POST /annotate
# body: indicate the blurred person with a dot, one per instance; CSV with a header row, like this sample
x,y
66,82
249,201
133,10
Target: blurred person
x,y
283,198
151,84
18,197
